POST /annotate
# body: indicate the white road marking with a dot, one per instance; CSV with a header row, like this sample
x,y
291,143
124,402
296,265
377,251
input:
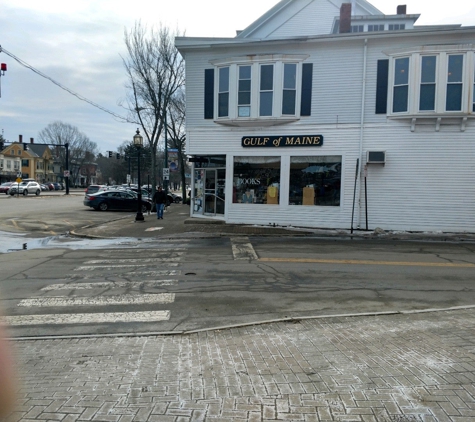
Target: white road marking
x,y
242,248
127,299
143,252
112,267
133,260
110,285
152,316
139,274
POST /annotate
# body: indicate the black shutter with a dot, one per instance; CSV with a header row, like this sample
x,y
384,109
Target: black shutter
x,y
209,94
382,86
306,97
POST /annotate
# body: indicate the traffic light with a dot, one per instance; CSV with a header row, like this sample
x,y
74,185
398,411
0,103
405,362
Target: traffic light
x,y
110,154
25,147
118,156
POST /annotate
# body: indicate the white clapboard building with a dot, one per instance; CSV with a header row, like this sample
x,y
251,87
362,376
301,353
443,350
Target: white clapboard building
x,y
328,114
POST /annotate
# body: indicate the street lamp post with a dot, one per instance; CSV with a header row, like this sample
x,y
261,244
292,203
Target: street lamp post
x,y
138,142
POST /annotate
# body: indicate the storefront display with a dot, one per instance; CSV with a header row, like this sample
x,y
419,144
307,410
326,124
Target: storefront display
x,y
256,180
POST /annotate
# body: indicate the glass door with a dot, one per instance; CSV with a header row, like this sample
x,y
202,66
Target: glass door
x,y
215,183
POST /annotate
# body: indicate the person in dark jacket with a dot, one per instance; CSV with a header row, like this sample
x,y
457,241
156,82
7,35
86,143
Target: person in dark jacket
x,y
160,199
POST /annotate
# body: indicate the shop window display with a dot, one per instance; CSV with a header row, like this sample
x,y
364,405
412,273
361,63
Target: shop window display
x,y
256,180
315,180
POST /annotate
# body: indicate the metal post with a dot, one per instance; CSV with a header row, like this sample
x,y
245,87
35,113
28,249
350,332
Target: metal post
x,y
130,174
354,193
139,216
66,145
165,182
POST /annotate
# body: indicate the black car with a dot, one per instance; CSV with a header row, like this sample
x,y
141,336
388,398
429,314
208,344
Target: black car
x,y
120,200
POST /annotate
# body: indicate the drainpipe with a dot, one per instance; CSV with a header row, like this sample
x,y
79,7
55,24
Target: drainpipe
x,y
363,98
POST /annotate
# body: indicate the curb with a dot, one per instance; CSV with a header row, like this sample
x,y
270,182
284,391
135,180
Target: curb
x,y
247,324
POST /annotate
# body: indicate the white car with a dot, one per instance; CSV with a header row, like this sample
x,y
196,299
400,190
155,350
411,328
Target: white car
x,y
25,188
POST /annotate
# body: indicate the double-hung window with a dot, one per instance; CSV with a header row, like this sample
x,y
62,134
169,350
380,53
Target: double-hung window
x,y
473,96
266,93
289,94
244,91
401,85
223,94
428,83
453,100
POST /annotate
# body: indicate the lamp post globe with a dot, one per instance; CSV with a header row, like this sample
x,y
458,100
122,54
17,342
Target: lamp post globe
x,y
138,142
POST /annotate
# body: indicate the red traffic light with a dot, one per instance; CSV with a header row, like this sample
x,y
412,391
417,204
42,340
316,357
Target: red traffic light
x,y
3,67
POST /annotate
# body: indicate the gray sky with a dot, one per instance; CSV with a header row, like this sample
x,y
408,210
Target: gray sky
x,y
79,44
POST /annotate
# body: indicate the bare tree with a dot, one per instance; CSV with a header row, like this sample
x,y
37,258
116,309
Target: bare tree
x,y
177,134
155,72
81,149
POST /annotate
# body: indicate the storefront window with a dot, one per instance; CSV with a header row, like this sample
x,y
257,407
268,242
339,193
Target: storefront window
x,y
256,180
315,180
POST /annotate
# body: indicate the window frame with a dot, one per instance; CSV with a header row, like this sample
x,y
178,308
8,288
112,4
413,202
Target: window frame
x,y
278,61
223,93
415,80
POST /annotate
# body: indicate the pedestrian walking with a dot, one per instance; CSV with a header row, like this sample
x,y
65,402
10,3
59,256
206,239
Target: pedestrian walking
x,y
160,199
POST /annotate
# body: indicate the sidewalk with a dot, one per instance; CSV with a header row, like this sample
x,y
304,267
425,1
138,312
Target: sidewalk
x,y
178,223
418,367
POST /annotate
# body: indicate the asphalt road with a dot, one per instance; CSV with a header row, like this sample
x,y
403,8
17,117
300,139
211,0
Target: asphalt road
x,y
165,284
188,284
48,214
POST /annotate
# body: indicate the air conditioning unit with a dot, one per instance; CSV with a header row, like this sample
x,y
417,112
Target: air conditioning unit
x,y
375,157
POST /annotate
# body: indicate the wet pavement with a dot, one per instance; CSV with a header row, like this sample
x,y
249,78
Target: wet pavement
x,y
412,366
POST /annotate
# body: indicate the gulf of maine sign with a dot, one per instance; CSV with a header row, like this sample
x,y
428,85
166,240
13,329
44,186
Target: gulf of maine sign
x,y
282,141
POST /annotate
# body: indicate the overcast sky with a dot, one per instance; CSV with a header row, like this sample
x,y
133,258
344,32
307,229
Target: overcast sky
x,y
79,43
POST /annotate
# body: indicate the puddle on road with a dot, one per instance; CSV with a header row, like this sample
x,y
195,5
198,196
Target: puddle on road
x,y
12,242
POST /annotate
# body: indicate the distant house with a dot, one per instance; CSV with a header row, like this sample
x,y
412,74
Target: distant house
x,y
10,164
29,160
326,114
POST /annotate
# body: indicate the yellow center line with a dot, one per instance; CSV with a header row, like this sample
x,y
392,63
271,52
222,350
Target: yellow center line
x,y
366,262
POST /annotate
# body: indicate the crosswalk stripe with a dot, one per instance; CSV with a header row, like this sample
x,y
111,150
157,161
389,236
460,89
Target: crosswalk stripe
x,y
133,260
124,274
127,299
111,267
151,316
110,285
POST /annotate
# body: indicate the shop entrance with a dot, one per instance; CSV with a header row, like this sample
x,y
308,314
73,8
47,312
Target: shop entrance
x,y
214,191
209,187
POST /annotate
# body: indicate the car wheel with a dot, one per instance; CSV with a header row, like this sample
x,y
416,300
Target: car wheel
x,y
103,207
144,209
25,192
37,192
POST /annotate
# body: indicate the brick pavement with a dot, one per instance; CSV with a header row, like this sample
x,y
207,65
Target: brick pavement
x,y
412,367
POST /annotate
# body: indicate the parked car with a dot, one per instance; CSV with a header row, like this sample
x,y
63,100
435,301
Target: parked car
x,y
25,188
95,188
176,198
4,187
116,199
44,187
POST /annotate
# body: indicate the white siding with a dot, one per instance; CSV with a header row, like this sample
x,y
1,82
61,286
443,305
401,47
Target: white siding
x,y
428,181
